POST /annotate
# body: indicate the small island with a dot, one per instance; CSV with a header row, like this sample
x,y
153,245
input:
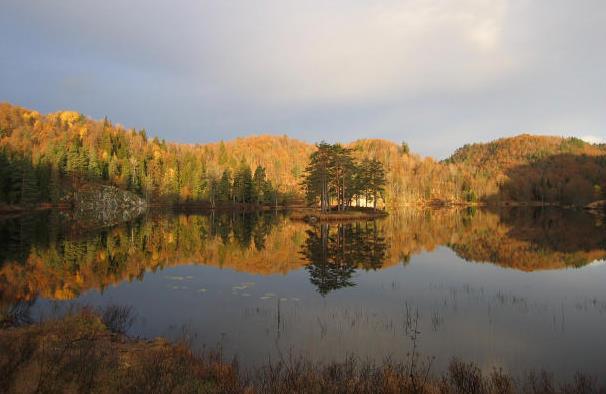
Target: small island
x,y
339,187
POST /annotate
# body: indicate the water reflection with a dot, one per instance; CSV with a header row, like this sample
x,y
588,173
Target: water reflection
x,y
333,252
41,256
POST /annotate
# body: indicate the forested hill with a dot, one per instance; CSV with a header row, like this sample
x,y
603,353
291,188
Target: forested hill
x,y
42,156
506,153
66,148
536,168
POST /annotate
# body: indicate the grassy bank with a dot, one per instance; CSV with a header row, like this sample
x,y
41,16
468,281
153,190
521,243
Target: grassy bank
x,y
87,351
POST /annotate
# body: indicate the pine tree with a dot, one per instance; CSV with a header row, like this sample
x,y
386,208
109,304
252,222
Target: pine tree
x,y
243,187
317,176
342,170
224,193
54,185
4,176
94,167
30,192
213,190
260,184
14,184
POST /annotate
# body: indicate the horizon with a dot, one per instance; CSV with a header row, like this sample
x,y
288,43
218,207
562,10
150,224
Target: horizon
x,y
338,72
587,139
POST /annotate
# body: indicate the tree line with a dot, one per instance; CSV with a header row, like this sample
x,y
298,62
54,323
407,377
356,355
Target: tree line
x,y
42,156
243,187
334,175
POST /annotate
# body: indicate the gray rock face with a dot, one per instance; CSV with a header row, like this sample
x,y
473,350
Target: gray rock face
x,y
101,205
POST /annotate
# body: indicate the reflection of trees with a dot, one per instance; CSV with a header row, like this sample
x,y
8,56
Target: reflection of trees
x,y
532,238
334,252
41,256
19,234
242,228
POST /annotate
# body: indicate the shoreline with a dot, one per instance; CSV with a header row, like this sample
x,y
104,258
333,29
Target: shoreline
x,y
311,215
296,212
89,349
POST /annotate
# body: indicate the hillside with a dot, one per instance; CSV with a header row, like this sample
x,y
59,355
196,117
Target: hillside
x,y
68,146
44,156
535,168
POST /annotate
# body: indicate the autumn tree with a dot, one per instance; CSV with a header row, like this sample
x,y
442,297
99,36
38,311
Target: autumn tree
x,y
375,175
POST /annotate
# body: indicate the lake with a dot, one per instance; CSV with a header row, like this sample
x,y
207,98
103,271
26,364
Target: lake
x,y
517,288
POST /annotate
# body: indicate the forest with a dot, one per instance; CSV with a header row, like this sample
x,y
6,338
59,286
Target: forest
x,y
42,157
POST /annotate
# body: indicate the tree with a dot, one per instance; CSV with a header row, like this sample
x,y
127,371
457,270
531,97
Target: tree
x,y
317,176
331,174
213,190
342,170
243,187
94,168
5,177
263,190
224,193
376,180
30,192
222,154
361,181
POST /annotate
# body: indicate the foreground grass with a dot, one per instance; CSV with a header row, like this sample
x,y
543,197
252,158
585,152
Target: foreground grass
x,y
88,352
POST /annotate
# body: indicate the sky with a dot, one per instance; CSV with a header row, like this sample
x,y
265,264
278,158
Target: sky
x,y
437,74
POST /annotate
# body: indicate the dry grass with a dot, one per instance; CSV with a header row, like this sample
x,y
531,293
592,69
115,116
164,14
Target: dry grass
x,y
79,353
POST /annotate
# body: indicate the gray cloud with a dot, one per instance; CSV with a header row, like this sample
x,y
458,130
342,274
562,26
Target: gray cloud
x,y
435,73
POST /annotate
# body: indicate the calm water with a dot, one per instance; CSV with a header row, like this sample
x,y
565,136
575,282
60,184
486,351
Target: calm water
x,y
517,289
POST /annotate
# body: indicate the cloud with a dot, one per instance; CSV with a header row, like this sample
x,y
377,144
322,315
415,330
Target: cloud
x,y
436,73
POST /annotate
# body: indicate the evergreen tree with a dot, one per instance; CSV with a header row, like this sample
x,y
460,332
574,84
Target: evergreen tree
x,y
30,192
43,175
224,193
260,185
342,170
14,186
94,167
77,160
243,187
213,190
54,185
317,176
4,176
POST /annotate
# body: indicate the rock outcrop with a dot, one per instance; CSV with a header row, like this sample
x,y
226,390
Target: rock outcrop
x,y
102,206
